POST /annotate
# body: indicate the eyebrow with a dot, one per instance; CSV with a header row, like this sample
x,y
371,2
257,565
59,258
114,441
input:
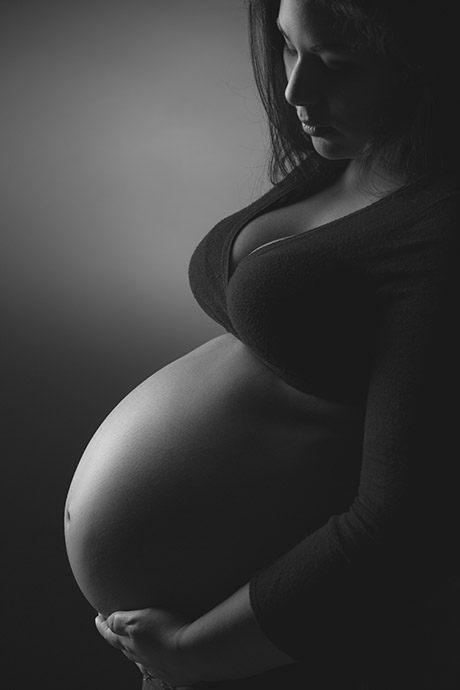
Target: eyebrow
x,y
320,47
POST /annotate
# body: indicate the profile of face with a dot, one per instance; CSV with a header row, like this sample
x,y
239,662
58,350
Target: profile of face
x,y
336,86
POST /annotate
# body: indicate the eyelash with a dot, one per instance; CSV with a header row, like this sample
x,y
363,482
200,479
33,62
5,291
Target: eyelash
x,y
288,50
342,67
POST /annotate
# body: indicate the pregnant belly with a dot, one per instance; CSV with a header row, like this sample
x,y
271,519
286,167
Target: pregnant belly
x,y
203,473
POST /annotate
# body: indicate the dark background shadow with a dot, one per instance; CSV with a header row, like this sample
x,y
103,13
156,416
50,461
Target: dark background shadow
x,y
129,128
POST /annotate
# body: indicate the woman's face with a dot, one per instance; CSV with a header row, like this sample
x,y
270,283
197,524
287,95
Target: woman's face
x,y
335,87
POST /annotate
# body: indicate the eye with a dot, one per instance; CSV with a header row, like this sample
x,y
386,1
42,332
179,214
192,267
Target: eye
x,y
288,49
340,66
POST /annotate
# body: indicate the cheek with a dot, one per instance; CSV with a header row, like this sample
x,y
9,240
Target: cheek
x,y
374,89
358,105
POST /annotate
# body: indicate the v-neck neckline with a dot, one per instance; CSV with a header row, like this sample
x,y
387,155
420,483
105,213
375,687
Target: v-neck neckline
x,y
298,194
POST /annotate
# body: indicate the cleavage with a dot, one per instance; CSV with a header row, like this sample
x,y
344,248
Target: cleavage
x,y
272,226
297,218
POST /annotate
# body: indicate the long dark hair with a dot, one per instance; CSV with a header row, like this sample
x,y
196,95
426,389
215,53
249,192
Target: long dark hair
x,y
420,45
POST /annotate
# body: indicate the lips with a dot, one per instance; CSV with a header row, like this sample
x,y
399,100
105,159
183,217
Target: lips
x,y
314,130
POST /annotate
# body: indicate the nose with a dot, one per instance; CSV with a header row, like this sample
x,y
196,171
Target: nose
x,y
303,87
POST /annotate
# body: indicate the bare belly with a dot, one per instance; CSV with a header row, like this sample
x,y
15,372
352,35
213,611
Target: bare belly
x,y
203,473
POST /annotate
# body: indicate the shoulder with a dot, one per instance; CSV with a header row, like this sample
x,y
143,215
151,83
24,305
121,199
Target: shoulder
x,y
439,198
428,211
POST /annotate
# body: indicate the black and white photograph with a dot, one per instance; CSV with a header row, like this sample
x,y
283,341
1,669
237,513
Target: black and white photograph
x,y
230,244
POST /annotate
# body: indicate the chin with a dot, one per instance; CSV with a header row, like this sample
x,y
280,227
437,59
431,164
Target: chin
x,y
333,148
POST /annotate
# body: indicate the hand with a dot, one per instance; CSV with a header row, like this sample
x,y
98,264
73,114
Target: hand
x,y
151,638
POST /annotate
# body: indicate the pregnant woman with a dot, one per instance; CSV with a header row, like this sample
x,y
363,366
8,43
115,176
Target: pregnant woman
x,y
276,509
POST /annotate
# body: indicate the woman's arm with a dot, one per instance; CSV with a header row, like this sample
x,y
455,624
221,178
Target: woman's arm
x,y
227,642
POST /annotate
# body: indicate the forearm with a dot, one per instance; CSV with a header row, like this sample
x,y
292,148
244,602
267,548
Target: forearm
x,y
227,642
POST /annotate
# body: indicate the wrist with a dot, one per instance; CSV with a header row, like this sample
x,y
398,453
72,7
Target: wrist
x,y
185,651
189,655
227,643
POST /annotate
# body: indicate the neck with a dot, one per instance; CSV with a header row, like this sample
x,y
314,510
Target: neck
x,y
373,183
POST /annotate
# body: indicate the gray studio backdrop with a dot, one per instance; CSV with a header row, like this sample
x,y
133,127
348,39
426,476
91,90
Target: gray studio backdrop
x,y
128,129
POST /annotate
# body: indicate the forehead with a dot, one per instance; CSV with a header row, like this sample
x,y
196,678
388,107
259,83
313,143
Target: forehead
x,y
312,21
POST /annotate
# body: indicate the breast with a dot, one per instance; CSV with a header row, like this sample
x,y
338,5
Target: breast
x,y
207,470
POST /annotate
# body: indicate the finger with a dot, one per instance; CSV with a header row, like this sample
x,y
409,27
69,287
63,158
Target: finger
x,y
131,655
119,622
143,669
109,636
140,667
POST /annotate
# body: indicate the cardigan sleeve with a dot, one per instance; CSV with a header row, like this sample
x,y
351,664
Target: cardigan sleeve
x,y
350,592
